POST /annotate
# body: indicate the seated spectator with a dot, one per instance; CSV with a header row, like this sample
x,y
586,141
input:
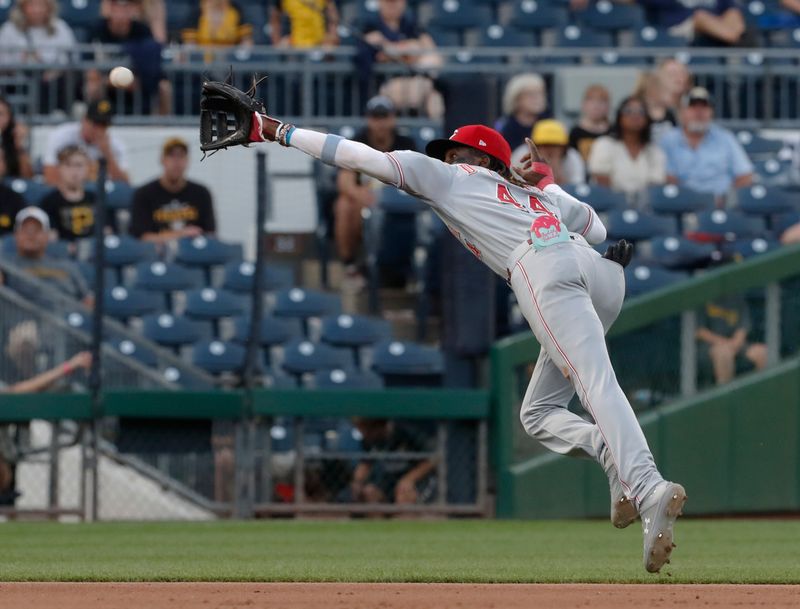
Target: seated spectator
x,y
393,36
701,155
35,34
70,207
312,23
171,207
723,328
676,79
402,481
14,143
712,23
357,191
626,160
121,25
32,233
593,121
153,13
550,137
658,99
524,103
219,23
91,133
11,202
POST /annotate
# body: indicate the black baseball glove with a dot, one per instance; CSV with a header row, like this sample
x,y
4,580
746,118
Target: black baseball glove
x,y
620,252
226,115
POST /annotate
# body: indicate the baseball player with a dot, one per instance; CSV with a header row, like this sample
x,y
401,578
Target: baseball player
x,y
537,237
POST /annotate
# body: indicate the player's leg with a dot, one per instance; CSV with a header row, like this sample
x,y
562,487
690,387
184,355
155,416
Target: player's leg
x,y
347,227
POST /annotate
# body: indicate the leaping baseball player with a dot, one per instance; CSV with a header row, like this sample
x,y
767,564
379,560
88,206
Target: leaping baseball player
x,y
537,237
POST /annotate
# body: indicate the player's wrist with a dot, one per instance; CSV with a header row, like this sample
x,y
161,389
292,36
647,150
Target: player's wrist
x,y
546,172
266,129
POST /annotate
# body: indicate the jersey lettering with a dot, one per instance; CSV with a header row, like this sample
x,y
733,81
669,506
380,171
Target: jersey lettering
x,y
538,206
468,168
506,197
473,248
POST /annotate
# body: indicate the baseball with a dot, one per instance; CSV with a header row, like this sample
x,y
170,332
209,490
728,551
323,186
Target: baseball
x,y
121,77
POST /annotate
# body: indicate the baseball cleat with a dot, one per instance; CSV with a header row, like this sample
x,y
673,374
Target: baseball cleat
x,y
659,511
623,510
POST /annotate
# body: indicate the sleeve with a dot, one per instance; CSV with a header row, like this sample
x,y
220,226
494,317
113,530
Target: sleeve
x,y
54,144
121,152
141,218
578,216
667,147
601,156
658,165
208,221
422,176
740,162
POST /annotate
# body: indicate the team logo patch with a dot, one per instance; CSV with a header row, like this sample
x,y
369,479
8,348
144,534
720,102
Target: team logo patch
x,y
547,230
481,143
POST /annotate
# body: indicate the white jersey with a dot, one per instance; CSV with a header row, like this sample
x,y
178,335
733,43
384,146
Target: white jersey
x,y
488,214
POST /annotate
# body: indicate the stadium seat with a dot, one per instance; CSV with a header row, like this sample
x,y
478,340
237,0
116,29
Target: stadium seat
x,y
459,15
354,332
119,195
635,225
129,348
303,356
496,35
217,357
774,172
721,225
601,199
81,13
345,379
87,271
272,331
673,199
239,277
756,146
302,304
208,304
123,303
185,379
648,36
611,16
679,253
79,320
277,379
32,191
761,200
171,331
573,36
641,278
408,364
746,248
122,250
179,15
55,249
538,15
166,278
206,252
783,221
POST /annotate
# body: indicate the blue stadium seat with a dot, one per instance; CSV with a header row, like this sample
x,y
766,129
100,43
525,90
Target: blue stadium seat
x,y
642,278
302,304
394,200
635,225
256,15
721,225
610,16
496,35
272,331
459,14
239,276
366,12
32,191
123,303
119,195
690,59
444,37
423,135
81,13
573,36
55,249
217,357
408,364
354,330
5,9
601,199
538,15
129,348
774,172
179,15
79,320
680,253
208,304
185,379
345,379
161,276
648,36
277,379
673,199
756,146
303,356
747,248
87,271
122,250
764,201
170,330
206,252
784,221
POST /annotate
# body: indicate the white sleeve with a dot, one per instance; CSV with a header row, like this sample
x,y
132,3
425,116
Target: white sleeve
x,y
415,173
120,152
55,142
577,215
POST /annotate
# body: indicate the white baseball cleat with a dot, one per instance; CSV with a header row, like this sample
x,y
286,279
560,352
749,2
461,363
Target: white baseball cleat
x,y
659,511
623,510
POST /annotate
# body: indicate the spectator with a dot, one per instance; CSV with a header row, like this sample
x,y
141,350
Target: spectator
x,y
121,25
11,202
404,481
92,134
153,13
712,23
524,103
35,34
14,143
219,23
357,191
70,207
550,137
676,78
312,23
701,155
652,89
392,36
626,160
32,233
593,121
171,207
723,330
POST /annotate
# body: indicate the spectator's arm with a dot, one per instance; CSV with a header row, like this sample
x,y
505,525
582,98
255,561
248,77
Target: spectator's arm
x,y
600,162
791,235
332,14
347,184
171,235
727,27
115,170
791,5
707,336
45,380
743,180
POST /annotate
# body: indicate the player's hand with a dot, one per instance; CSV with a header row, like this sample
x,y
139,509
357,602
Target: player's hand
x,y
533,169
620,252
80,360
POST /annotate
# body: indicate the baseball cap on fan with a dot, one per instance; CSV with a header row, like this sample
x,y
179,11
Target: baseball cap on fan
x,y
480,137
549,132
380,106
100,112
172,144
37,213
697,95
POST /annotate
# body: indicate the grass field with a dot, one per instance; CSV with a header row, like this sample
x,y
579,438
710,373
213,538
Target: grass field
x,y
726,551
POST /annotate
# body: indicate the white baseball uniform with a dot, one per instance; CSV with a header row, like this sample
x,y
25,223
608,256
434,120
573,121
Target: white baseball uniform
x,y
569,294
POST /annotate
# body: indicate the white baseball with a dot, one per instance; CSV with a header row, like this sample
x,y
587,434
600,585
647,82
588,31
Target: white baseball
x,y
121,77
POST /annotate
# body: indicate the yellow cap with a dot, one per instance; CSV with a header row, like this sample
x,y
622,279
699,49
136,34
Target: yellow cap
x,y
549,132
174,142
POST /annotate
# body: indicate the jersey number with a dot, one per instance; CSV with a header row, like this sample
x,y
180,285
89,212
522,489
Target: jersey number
x,y
506,197
538,206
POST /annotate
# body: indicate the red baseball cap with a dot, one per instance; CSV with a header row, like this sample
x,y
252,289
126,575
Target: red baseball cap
x,y
479,137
